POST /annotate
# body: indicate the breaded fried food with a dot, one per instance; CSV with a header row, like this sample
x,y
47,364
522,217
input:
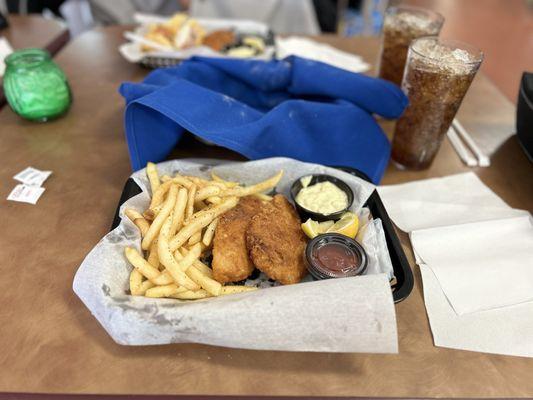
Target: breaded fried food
x,y
276,242
231,262
217,40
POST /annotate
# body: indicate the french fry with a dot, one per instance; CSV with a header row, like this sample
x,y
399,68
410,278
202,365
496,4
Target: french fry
x,y
200,266
145,286
196,238
136,279
149,215
165,291
179,211
204,182
159,195
197,180
200,205
174,238
257,188
202,219
202,246
214,200
167,259
183,181
153,231
206,192
153,258
204,269
163,279
138,220
189,210
199,212
153,176
141,264
220,185
236,289
262,196
191,295
192,255
210,285
228,184
209,232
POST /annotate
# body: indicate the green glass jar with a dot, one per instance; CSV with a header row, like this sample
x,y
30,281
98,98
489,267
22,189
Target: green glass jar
x,y
35,87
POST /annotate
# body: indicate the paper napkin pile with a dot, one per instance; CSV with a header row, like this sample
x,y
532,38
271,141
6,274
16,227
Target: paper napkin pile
x,y
307,48
476,259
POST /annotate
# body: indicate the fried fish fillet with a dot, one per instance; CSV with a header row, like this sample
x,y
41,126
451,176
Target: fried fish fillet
x,y
231,262
276,242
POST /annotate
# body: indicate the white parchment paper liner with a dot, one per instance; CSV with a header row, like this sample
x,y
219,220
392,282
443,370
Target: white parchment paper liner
x,y
337,315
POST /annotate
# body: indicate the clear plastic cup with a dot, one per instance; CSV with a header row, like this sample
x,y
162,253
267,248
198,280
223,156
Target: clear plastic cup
x,y
401,26
437,76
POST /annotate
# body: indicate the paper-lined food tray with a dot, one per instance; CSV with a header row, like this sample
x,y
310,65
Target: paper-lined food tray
x,y
137,51
339,315
401,275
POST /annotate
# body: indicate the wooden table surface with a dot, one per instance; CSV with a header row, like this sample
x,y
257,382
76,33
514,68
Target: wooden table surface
x,y
34,31
50,343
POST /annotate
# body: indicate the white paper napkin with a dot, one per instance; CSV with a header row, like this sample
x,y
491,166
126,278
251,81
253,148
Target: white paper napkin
x,y
476,258
307,48
482,265
506,330
455,199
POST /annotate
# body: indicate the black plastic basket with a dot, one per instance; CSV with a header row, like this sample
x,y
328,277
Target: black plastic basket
x,y
403,276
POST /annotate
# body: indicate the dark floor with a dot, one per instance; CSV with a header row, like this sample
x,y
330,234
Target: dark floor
x,y
502,29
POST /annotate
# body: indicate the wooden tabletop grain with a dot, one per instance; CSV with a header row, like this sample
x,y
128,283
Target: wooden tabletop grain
x,y
50,343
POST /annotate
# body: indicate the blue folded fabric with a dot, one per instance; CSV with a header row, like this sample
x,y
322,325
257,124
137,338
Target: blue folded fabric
x,y
294,107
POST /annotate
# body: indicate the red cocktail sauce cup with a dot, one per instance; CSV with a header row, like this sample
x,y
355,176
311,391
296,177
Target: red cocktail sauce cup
x,y
332,255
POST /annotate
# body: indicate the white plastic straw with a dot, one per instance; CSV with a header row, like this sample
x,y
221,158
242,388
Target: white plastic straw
x,y
464,154
483,160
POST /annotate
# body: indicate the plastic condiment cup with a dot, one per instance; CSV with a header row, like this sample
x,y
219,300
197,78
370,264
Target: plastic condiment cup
x,y
317,178
333,255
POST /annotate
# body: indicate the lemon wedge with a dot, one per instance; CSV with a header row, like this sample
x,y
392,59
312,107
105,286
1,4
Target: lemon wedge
x,y
348,225
311,228
324,226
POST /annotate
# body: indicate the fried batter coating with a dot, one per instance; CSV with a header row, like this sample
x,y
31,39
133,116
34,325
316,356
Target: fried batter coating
x,y
276,242
231,262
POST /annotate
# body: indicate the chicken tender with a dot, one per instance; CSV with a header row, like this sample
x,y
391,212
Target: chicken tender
x,y
276,242
231,262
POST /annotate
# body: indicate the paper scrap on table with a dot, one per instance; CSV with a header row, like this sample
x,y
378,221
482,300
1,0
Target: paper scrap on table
x,y
336,315
26,194
307,48
482,265
454,199
5,50
32,176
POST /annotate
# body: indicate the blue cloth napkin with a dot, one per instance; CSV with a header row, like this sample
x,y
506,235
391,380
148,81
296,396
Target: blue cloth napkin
x,y
294,107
